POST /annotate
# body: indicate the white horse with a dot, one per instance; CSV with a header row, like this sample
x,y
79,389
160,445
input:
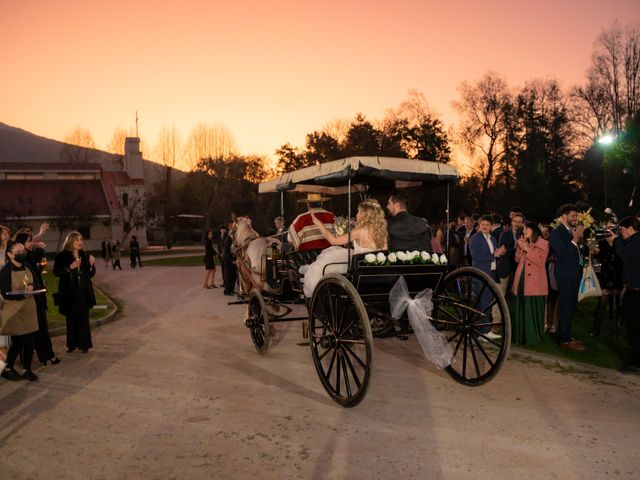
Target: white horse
x,y
250,248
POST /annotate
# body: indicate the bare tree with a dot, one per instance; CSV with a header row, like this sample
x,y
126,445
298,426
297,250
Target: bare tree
x,y
134,214
483,129
611,95
79,147
168,151
69,211
208,141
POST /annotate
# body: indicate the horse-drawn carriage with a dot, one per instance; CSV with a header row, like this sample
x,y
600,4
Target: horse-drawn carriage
x,y
466,310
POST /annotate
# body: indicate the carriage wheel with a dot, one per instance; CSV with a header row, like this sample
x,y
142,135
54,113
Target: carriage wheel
x,y
470,310
341,340
258,321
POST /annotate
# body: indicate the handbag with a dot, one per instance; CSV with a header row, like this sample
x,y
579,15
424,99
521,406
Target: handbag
x,y
589,284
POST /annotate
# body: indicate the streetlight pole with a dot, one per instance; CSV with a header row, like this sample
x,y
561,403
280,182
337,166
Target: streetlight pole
x,y
606,140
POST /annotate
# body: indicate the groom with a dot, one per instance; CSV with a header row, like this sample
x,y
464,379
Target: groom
x,y
406,232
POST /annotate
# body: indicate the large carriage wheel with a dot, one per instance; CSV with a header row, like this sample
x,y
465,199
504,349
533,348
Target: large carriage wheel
x,y
472,313
341,340
258,321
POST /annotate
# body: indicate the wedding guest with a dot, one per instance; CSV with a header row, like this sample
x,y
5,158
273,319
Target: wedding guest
x,y
76,298
566,243
209,260
5,234
134,252
106,251
116,255
464,234
222,238
530,286
610,277
19,315
484,254
43,346
229,264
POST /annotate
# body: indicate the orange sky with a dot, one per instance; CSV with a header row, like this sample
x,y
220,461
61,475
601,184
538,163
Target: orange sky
x,y
272,71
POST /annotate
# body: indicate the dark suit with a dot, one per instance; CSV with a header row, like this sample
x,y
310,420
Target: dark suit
x,y
228,267
407,232
482,260
465,252
507,262
568,272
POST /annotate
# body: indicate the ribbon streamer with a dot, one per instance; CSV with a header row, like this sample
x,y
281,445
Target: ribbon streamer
x,y
433,343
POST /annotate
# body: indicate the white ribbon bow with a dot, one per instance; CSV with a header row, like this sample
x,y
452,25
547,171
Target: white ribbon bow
x,y
433,343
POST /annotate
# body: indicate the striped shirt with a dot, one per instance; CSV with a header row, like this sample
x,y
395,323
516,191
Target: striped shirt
x,y
305,235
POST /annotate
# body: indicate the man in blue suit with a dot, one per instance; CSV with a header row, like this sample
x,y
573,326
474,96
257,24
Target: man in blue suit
x,y
566,240
484,254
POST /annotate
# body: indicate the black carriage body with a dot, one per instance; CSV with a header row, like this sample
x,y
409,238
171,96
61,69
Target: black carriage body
x,y
346,309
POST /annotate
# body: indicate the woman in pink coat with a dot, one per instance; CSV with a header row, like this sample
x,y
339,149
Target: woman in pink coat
x,y
530,287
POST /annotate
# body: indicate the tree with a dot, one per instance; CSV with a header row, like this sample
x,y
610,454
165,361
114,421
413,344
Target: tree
x,y
622,170
79,147
611,96
69,211
209,141
134,214
290,158
362,138
483,129
116,145
168,152
321,147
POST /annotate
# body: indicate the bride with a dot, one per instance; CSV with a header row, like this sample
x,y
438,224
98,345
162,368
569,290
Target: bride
x,y
370,234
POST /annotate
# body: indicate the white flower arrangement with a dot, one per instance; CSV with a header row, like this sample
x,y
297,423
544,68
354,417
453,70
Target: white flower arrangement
x,y
404,258
341,225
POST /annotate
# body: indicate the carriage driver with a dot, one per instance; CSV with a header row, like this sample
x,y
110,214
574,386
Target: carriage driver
x,y
303,233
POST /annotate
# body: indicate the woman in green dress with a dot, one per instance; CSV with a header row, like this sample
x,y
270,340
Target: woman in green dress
x,y
530,287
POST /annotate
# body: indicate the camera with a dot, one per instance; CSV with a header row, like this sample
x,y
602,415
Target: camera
x,y
605,232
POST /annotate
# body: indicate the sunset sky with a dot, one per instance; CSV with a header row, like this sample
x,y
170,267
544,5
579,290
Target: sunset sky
x,y
272,71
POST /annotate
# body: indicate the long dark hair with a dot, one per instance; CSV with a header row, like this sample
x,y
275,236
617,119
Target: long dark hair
x,y
537,233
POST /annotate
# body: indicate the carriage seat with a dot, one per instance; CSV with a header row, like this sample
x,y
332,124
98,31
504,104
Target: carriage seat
x,y
306,257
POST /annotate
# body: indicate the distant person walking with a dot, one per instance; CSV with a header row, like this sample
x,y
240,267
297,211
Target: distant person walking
x,y
116,255
134,252
106,251
75,269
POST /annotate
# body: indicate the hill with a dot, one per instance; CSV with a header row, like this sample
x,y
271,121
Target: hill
x,y
17,145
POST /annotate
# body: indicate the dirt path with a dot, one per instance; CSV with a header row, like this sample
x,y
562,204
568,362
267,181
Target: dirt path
x,y
174,389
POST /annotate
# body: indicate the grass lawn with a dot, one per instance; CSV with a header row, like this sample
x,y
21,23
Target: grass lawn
x,y
57,320
189,261
603,351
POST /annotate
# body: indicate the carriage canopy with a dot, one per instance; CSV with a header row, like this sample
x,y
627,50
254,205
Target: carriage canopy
x,y
384,172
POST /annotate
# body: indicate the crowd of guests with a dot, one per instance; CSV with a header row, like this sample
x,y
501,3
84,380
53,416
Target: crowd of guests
x,y
23,299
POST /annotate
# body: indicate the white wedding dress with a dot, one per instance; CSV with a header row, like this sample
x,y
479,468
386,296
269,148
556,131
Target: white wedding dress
x,y
333,255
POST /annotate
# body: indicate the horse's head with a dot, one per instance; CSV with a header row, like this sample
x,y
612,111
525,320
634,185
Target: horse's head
x,y
243,232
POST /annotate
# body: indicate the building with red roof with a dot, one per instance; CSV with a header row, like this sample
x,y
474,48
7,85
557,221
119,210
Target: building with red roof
x,y
98,203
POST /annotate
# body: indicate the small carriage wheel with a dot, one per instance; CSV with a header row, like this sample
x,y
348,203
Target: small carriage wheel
x,y
341,340
258,321
470,310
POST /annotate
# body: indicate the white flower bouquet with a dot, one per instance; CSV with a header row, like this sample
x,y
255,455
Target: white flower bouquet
x,y
404,258
341,225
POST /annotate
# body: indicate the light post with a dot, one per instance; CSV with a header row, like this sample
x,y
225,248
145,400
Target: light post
x,y
606,140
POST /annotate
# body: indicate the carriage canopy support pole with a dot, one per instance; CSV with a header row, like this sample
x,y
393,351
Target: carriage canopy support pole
x,y
446,230
349,224
281,203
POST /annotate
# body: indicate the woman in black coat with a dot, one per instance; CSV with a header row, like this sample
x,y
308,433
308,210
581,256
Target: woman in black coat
x,y
75,292
209,260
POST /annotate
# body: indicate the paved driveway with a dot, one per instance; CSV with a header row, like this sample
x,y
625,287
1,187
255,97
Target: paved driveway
x,y
174,389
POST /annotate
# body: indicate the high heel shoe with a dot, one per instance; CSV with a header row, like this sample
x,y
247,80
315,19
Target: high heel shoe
x,y
54,361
